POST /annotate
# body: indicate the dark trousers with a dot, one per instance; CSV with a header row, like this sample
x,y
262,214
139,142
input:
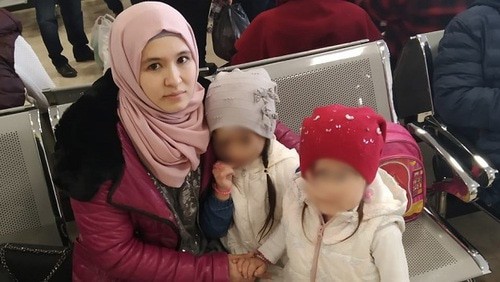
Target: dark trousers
x,y
71,11
196,14
254,7
115,5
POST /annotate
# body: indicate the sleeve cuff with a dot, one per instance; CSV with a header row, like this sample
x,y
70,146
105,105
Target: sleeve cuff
x,y
217,204
267,255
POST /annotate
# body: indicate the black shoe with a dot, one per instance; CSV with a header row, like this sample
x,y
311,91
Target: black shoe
x,y
67,71
84,54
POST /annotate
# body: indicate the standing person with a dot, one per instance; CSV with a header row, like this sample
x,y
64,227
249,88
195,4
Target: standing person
x,y
196,13
252,8
315,24
131,154
467,84
71,11
343,220
254,169
406,18
115,5
11,86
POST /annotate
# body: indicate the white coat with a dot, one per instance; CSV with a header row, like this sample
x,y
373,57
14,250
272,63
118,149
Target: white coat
x,y
374,253
249,195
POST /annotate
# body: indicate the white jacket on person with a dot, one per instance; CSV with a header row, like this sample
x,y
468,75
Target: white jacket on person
x,y
249,194
374,253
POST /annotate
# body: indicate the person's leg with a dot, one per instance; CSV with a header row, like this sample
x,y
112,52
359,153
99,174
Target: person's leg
x,y
198,19
47,22
71,12
254,7
115,5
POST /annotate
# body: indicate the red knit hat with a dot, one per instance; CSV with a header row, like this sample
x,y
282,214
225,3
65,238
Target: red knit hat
x,y
352,135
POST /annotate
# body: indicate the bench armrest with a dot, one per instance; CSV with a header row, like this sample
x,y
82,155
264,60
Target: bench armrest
x,y
480,169
455,165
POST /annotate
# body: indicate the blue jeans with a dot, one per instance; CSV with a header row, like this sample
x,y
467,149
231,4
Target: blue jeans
x,y
71,12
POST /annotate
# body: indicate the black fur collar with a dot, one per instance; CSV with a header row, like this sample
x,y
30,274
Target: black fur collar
x,y
88,150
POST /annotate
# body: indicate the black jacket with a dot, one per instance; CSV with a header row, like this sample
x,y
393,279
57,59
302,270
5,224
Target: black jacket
x,y
467,76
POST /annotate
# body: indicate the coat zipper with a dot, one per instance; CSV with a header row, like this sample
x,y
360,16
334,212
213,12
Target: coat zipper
x,y
317,249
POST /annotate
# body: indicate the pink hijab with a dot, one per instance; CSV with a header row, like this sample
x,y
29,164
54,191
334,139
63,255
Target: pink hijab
x,y
169,145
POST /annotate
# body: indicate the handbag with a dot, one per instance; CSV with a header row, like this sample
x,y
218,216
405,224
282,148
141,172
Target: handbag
x,y
100,40
19,262
229,24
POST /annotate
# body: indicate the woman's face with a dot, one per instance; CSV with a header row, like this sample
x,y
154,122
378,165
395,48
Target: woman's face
x,y
334,186
168,73
237,146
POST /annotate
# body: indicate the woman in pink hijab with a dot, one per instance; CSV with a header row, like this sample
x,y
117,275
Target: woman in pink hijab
x,y
131,153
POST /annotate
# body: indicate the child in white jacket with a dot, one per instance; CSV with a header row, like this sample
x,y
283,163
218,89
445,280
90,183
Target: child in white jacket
x,y
254,170
343,220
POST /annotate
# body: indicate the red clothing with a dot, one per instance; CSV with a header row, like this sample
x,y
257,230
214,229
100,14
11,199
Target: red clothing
x,y
405,18
126,233
11,86
302,25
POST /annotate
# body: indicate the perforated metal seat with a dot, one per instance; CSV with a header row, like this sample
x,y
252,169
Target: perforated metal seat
x,y
357,75
29,211
434,253
354,75
63,95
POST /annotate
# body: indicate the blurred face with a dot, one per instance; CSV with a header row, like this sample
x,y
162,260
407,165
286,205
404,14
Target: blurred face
x,y
237,146
334,186
168,73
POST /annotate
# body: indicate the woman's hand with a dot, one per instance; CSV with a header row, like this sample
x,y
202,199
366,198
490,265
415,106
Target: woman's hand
x,y
250,267
223,174
234,273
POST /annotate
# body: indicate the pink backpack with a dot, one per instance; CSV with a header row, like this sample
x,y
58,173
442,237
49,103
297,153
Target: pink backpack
x,y
401,158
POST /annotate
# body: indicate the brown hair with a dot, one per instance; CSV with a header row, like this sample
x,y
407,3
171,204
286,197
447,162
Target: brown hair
x,y
271,193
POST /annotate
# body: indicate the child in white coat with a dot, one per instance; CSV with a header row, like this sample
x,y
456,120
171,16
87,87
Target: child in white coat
x,y
254,169
343,220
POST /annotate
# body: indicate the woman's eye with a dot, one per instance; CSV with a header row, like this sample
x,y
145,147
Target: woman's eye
x,y
154,66
183,60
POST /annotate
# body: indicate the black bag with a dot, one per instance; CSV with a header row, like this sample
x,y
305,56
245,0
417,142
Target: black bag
x,y
19,263
229,24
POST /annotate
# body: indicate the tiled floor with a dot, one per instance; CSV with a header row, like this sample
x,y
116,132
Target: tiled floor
x,y
87,72
480,230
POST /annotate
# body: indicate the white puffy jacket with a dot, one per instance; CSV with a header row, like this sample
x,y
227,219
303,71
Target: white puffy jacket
x,y
374,253
249,195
